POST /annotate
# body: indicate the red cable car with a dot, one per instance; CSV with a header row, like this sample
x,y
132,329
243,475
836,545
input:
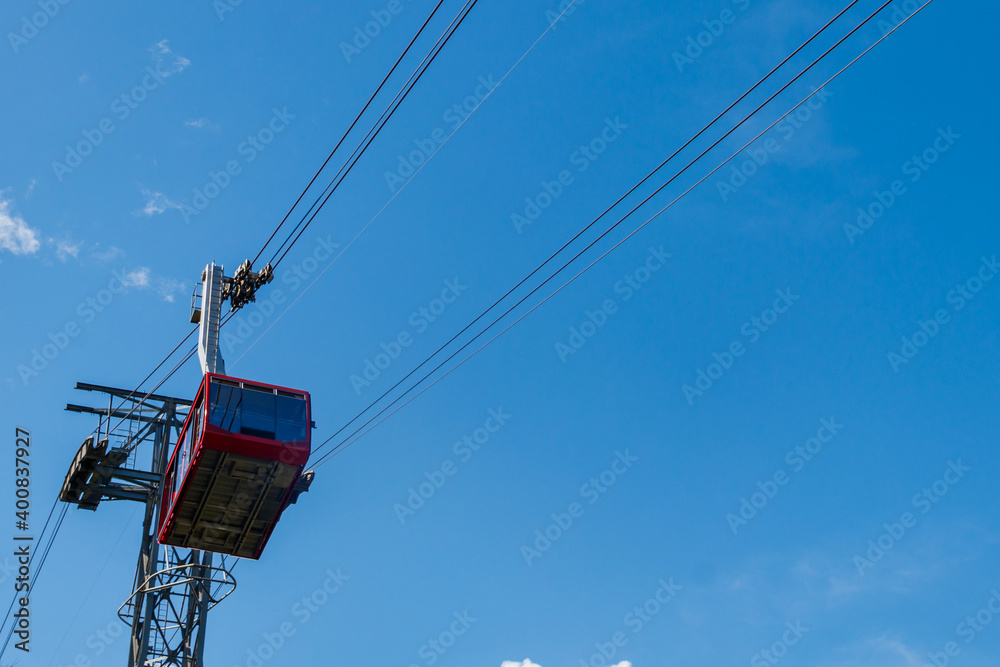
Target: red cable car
x,y
236,467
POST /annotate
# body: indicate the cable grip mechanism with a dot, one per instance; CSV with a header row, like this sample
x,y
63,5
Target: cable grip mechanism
x,y
242,288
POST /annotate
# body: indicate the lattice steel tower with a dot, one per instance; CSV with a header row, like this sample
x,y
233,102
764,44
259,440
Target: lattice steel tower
x,y
173,588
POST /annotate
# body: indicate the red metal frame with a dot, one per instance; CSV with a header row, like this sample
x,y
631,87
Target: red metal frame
x,y
219,439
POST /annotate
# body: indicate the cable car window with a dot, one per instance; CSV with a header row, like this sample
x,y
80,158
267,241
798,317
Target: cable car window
x,y
291,419
197,413
184,451
258,413
225,408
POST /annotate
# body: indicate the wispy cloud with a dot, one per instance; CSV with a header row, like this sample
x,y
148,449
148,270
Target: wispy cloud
x,y
880,651
31,188
66,249
167,62
141,277
168,288
202,123
137,277
897,649
529,663
109,255
156,203
15,234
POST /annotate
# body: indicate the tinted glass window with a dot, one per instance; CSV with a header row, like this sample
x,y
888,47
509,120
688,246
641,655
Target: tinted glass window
x,y
291,419
258,413
226,406
199,418
185,449
183,457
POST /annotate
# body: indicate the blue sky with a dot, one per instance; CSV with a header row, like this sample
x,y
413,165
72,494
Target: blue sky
x,y
833,315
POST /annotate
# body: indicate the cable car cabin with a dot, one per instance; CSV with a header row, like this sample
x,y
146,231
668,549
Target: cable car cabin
x,y
239,457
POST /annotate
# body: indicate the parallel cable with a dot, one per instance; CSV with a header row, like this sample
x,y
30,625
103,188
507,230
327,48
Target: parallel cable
x,y
58,525
357,153
410,179
311,182
138,387
93,585
34,578
374,132
131,448
599,217
177,367
343,138
342,174
141,402
348,440
62,515
41,536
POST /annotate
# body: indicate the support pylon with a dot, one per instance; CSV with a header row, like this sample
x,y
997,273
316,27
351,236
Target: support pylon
x,y
173,588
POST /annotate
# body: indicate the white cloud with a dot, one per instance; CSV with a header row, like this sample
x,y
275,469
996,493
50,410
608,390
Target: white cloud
x,y
167,62
84,78
877,652
112,253
31,188
137,277
899,650
168,288
15,234
201,123
529,663
66,249
141,277
156,203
